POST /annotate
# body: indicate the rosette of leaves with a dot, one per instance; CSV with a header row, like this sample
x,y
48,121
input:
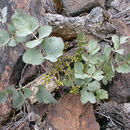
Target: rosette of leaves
x,y
22,25
97,66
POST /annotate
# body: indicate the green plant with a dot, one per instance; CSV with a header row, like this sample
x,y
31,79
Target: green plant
x,y
93,67
21,27
85,72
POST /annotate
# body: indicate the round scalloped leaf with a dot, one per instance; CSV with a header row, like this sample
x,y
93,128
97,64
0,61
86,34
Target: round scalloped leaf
x,y
93,86
53,47
27,92
11,28
127,58
81,38
3,97
34,43
18,100
44,95
87,97
124,39
24,23
101,94
4,14
33,56
78,67
125,68
4,37
98,75
107,52
120,51
21,39
12,42
11,91
115,40
44,31
85,57
93,47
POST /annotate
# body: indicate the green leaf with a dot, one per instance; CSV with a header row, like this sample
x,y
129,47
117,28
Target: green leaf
x,y
105,81
93,86
125,68
107,68
44,31
98,75
78,67
93,47
12,42
81,38
4,37
21,39
11,28
127,58
4,14
27,92
87,97
85,57
33,56
53,47
96,59
67,81
91,70
81,76
34,43
115,40
120,51
79,82
44,95
101,94
118,58
24,23
107,52
3,97
11,91
18,100
123,39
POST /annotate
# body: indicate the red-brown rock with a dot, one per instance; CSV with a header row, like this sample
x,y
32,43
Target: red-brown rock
x,y
70,114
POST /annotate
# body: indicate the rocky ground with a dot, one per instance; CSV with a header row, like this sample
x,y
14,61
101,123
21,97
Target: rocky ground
x,y
68,18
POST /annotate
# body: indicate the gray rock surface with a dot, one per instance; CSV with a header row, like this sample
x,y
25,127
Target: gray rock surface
x,y
74,7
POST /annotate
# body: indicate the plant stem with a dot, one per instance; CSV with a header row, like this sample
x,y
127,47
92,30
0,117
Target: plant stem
x,y
35,36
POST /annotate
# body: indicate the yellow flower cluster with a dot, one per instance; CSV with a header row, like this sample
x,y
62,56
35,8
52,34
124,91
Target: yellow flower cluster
x,y
47,78
59,83
75,89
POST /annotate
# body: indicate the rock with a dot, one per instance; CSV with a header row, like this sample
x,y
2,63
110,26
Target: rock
x,y
119,91
120,5
97,25
70,114
75,7
127,108
69,27
115,6
114,112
